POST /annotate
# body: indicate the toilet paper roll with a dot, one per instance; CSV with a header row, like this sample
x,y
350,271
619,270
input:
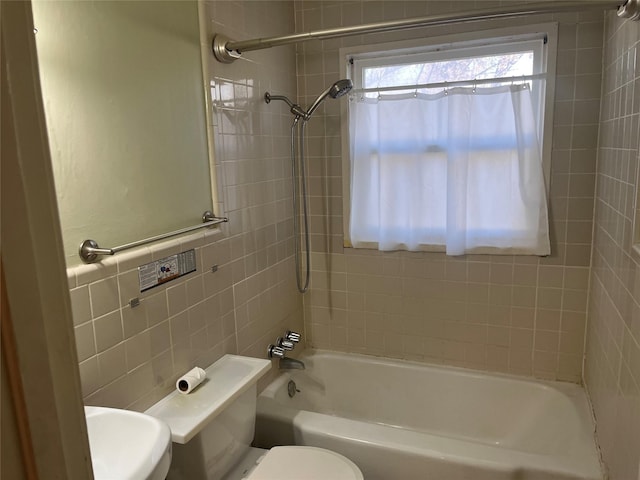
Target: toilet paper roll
x,y
190,380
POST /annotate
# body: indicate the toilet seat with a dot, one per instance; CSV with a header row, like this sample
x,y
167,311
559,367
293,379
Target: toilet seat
x,y
304,463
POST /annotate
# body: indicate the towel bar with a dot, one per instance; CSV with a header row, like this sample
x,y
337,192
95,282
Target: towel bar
x,y
90,250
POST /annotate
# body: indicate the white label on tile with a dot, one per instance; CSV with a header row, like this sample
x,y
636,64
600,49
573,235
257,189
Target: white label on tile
x,y
148,276
166,269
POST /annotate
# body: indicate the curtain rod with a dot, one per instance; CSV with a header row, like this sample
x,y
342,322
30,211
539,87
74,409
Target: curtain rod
x,y
455,83
227,51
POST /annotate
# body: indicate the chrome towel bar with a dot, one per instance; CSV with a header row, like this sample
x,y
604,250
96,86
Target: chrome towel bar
x,y
90,250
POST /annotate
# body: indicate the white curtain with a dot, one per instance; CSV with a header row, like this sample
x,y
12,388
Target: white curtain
x,y
459,171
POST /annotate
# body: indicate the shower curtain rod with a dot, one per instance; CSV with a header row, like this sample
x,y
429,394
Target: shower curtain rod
x,y
226,50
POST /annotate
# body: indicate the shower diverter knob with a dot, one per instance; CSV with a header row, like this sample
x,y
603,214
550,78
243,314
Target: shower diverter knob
x,y
285,344
274,351
292,336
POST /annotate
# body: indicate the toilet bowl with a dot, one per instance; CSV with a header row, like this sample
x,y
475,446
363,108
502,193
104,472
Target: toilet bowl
x,y
213,426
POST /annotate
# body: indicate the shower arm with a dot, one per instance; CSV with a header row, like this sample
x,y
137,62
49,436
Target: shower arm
x,y
295,108
227,51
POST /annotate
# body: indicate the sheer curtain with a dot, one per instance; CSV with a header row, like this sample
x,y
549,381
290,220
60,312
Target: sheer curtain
x,y
459,171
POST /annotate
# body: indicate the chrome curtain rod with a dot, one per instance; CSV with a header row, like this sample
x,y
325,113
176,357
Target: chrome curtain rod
x,y
455,83
226,50
89,249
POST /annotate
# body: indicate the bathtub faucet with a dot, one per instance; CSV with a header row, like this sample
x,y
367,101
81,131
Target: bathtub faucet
x,y
283,345
287,363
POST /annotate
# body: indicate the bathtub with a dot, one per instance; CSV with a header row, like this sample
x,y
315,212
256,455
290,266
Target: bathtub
x,y
401,420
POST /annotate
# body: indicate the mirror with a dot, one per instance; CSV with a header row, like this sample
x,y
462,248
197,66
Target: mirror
x,y
125,106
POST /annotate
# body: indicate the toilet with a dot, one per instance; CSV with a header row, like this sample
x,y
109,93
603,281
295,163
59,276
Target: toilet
x,y
213,426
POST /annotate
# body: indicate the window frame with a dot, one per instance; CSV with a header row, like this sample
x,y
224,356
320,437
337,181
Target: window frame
x,y
437,47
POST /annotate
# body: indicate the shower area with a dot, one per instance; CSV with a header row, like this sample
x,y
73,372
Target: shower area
x,y
526,316
299,175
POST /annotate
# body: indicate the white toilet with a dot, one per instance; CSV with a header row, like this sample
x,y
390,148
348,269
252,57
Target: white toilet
x,y
212,429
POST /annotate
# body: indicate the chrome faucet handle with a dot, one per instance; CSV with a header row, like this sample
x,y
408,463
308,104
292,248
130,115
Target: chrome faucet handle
x,y
273,351
292,336
285,344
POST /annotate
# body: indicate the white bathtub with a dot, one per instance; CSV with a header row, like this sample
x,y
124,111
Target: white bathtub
x,y
401,420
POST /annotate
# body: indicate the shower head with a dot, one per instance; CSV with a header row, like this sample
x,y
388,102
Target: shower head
x,y
340,88
336,90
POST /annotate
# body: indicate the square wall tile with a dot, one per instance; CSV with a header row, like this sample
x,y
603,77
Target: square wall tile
x,y
104,296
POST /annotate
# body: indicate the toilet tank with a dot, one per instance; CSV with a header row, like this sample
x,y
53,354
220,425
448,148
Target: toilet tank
x,y
220,445
212,427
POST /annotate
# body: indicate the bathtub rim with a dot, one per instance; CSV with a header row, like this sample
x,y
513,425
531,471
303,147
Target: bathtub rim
x,y
578,387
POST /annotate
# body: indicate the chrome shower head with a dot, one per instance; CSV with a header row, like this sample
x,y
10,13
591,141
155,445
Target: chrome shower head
x,y
340,88
336,90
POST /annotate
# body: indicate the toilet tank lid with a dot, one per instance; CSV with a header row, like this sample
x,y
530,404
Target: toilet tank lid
x,y
227,379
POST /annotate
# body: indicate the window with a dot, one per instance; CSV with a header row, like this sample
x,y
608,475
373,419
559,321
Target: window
x,y
446,146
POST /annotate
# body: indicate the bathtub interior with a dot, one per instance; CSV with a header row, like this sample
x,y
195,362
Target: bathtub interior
x,y
528,416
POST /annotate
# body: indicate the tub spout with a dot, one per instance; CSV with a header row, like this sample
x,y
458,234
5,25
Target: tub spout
x,y
287,363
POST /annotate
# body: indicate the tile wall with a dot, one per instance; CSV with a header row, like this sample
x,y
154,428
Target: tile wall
x,y
523,315
130,357
612,368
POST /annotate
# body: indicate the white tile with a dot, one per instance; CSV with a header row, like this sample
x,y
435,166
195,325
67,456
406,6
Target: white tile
x,y
80,305
85,341
104,296
177,298
112,364
108,330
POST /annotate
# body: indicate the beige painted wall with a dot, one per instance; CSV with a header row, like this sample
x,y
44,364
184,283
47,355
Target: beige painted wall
x,y
125,106
517,314
612,368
